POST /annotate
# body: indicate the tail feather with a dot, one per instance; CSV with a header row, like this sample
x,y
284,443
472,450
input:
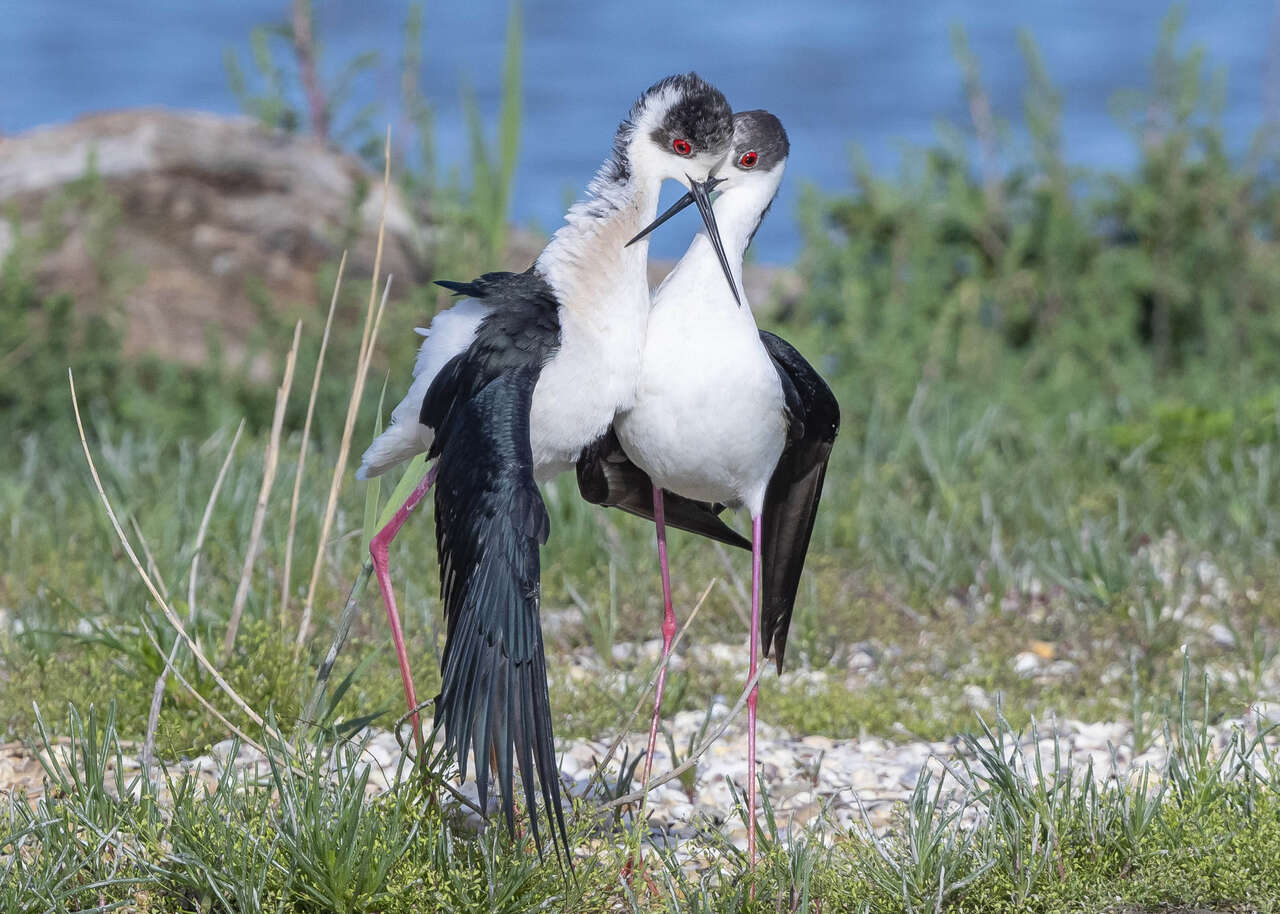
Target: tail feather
x,y
450,333
490,523
400,442
791,507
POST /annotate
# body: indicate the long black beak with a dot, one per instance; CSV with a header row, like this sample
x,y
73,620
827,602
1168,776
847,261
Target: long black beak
x,y
699,194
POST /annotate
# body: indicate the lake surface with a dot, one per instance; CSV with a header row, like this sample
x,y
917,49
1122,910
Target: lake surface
x,y
878,74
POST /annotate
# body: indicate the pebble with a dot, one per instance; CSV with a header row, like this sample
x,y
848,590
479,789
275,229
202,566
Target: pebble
x,y
847,783
1027,664
977,698
1222,636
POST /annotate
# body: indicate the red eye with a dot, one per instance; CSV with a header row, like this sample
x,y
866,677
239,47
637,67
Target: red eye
x,y
681,147
748,160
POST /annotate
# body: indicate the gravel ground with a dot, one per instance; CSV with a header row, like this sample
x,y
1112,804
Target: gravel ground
x,y
850,781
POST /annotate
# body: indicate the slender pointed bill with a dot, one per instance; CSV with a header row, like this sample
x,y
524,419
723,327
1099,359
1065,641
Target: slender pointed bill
x,y
700,194
678,207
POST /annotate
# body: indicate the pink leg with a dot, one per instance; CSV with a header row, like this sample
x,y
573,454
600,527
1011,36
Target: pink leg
x,y
668,629
378,550
751,699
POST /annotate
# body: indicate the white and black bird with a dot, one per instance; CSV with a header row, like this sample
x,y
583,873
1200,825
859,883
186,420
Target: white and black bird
x,y
725,414
510,386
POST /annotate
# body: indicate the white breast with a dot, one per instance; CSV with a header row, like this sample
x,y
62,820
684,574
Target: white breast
x,y
583,386
603,292
708,421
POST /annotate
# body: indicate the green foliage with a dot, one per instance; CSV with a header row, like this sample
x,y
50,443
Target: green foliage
x,y
1179,433
1061,424
43,334
475,213
270,105
337,850
40,335
492,179
1022,269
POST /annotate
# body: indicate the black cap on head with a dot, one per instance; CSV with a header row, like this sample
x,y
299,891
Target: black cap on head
x,y
699,115
759,132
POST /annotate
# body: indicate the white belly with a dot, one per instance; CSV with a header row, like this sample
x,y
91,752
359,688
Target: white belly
x,y
708,420
581,389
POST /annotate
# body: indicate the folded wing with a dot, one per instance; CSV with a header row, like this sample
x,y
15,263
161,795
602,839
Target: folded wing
x,y
791,501
606,476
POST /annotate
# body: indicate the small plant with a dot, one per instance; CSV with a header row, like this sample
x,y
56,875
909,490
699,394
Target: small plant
x,y
936,858
600,618
337,849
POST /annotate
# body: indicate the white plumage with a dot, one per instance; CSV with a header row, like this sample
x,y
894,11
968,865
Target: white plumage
x,y
450,332
603,291
708,420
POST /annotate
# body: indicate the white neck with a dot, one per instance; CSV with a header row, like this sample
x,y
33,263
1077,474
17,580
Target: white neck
x,y
737,215
587,262
603,290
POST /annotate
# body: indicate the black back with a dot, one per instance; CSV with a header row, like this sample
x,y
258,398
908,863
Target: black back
x,y
606,476
490,523
791,501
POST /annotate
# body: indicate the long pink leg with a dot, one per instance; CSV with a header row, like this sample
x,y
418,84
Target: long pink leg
x,y
378,550
751,699
668,629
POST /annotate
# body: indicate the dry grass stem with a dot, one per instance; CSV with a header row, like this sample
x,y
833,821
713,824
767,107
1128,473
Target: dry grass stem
x,y
270,463
698,752
287,575
339,639
734,587
151,559
169,614
157,693
204,702
204,523
653,683
353,404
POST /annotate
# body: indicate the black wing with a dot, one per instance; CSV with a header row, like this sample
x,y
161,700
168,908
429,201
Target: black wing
x,y
490,523
606,476
791,501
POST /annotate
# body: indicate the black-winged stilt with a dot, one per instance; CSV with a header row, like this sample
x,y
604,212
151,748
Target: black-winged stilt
x,y
510,386
726,414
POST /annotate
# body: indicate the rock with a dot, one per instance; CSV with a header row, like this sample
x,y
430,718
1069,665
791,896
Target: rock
x,y
209,207
977,698
1027,664
1222,636
1043,649
868,777
210,215
861,661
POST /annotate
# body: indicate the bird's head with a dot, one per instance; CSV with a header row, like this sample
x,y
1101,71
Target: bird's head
x,y
757,156
751,170
680,128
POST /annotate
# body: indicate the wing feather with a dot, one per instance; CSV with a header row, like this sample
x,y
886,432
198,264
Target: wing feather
x,y
494,706
791,501
606,476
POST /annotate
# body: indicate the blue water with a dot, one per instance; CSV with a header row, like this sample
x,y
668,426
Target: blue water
x,y
877,73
